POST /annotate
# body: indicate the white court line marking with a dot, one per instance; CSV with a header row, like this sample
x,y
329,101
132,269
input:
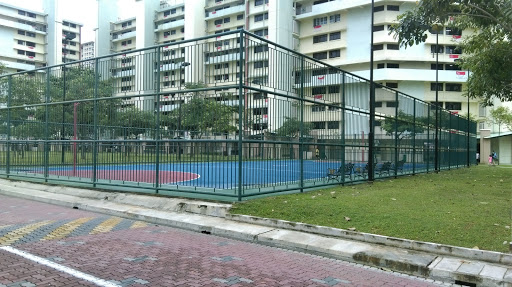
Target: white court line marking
x,y
51,264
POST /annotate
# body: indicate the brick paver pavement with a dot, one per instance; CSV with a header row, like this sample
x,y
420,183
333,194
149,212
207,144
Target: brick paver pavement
x,y
133,253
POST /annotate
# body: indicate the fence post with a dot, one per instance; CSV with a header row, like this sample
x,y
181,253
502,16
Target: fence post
x,y
240,115
428,137
397,148
414,137
301,133
95,124
371,136
46,132
8,156
342,120
157,119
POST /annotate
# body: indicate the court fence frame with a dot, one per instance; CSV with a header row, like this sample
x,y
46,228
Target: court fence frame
x,y
228,117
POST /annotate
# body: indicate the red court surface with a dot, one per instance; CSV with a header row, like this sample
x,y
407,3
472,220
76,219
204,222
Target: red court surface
x,y
148,176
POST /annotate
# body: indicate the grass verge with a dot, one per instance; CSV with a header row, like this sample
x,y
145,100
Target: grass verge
x,y
463,207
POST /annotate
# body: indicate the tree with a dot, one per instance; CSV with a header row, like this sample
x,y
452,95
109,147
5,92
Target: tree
x,y
501,116
488,51
404,126
2,68
291,128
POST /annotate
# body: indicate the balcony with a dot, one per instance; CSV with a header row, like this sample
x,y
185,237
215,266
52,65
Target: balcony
x,y
160,15
123,36
170,25
218,3
221,13
119,74
223,58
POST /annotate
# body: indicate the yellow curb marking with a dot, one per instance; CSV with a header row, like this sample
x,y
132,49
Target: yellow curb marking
x,y
65,229
138,224
106,225
19,233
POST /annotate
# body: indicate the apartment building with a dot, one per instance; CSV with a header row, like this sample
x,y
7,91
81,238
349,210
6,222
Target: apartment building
x,y
334,31
71,39
23,36
87,50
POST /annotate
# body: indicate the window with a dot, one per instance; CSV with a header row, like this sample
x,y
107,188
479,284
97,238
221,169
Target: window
x,y
126,88
221,77
173,11
381,66
218,22
318,90
378,47
260,111
334,54
125,24
260,49
439,67
317,108
393,104
333,125
318,72
259,96
452,67
227,20
240,17
393,47
378,8
320,38
453,50
450,87
334,36
260,17
335,18
453,105
21,52
440,49
433,86
31,15
125,79
319,21
173,32
392,85
30,34
260,64
20,32
320,55
167,13
393,8
378,28
333,89
453,31
393,66
261,33
319,125
378,104
22,13
260,2
482,111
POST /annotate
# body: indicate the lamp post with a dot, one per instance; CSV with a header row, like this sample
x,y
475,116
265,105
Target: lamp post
x,y
437,27
182,71
67,37
371,135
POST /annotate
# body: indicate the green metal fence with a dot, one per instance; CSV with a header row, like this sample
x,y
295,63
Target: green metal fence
x,y
229,117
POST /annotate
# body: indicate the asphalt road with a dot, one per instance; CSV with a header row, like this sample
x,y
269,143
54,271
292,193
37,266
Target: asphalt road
x,y
47,245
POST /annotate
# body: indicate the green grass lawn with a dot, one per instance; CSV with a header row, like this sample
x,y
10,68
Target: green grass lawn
x,y
464,207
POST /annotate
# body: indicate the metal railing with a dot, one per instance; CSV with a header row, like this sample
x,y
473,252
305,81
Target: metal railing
x,y
228,117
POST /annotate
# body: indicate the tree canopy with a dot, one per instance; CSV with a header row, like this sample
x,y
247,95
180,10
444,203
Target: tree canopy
x,y
488,51
501,116
291,128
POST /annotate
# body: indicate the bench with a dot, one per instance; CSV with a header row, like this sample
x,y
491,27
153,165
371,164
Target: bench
x,y
335,174
383,168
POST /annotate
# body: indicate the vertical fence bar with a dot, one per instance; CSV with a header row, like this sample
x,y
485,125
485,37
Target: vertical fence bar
x,y
156,108
428,137
240,115
8,156
95,124
46,132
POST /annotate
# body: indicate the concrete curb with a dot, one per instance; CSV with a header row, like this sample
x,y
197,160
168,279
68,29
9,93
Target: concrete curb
x,y
441,249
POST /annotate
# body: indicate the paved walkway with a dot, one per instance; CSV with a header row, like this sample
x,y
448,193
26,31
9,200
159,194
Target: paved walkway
x,y
430,261
48,245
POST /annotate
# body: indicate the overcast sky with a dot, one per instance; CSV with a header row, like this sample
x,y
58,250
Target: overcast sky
x,y
81,11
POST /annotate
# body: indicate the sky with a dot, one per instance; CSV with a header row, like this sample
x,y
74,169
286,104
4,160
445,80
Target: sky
x,y
81,11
